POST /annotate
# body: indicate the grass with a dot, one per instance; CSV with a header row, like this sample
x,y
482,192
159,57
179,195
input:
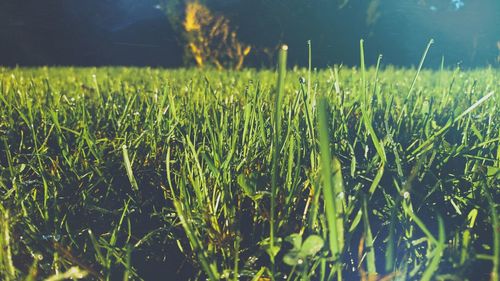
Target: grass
x,y
339,174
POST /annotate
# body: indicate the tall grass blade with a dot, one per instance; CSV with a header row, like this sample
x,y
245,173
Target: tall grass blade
x,y
419,69
329,193
278,103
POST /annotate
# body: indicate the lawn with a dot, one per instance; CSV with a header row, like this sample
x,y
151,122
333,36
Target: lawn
x,y
341,173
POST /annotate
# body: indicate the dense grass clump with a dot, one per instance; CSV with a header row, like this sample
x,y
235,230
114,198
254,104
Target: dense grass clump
x,y
352,174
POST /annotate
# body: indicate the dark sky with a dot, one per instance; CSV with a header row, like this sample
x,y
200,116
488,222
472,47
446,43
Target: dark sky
x,y
464,31
133,32
88,32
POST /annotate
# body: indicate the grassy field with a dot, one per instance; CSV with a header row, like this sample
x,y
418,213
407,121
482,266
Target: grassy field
x,y
134,173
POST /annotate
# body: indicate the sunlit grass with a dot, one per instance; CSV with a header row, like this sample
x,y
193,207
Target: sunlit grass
x,y
344,173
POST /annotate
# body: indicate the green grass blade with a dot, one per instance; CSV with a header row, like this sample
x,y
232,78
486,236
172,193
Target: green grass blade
x,y
278,103
438,253
370,256
419,69
6,261
128,168
431,139
328,188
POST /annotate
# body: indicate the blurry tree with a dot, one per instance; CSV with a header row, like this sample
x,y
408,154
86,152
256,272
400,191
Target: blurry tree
x,y
209,37
212,39
264,24
334,27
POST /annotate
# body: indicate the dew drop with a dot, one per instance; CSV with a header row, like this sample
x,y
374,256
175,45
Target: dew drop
x,y
406,195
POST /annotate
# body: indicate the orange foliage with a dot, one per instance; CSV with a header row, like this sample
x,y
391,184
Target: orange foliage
x,y
211,39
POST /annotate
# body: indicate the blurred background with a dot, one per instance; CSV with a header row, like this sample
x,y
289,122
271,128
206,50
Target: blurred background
x,y
237,33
